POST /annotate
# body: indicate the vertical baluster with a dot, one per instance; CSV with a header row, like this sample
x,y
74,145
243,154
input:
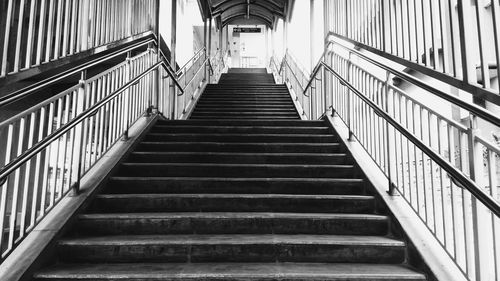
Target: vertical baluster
x,y
49,39
36,187
64,144
55,189
451,152
4,183
492,181
480,17
41,33
65,36
79,137
73,28
495,10
58,33
15,186
19,36
6,38
45,179
27,178
72,98
31,27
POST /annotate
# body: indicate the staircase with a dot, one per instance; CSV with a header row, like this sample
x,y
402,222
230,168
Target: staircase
x,y
244,190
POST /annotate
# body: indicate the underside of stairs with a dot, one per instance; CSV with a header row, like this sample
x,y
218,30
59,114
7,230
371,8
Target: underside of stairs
x,y
244,190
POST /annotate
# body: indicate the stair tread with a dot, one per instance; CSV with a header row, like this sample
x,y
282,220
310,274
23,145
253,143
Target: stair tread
x,y
243,143
256,271
231,215
229,195
241,153
233,239
335,166
243,179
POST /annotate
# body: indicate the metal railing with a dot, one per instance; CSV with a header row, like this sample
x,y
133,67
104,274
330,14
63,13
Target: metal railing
x,y
457,42
444,166
190,78
38,32
49,147
65,74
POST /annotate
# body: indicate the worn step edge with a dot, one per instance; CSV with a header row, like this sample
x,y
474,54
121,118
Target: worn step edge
x,y
231,271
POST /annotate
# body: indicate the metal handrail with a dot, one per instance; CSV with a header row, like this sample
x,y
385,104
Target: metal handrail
x,y
16,95
40,146
476,110
194,76
453,172
179,72
317,67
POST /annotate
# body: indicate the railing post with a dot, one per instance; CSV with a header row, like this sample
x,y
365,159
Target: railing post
x,y
126,98
78,148
209,46
349,103
480,214
158,57
173,89
85,26
389,142
205,51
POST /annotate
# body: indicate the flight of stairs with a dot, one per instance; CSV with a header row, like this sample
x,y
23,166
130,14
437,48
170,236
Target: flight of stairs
x,y
243,96
239,197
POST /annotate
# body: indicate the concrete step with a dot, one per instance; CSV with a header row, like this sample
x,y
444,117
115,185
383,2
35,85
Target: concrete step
x,y
239,158
125,203
243,108
231,223
236,170
253,123
240,147
247,70
310,130
199,185
250,117
232,248
231,271
246,113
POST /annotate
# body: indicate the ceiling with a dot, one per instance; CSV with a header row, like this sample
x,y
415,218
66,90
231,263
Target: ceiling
x,y
245,11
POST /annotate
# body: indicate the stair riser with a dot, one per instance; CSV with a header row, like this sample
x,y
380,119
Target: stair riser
x,y
243,107
238,277
249,225
236,159
218,147
239,130
240,139
239,117
244,111
245,114
203,186
232,253
229,171
244,98
231,204
256,123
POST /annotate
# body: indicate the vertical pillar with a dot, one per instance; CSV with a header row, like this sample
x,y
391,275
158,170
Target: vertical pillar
x,y
273,43
158,57
78,146
172,58
285,37
205,46
85,26
266,34
209,44
220,40
311,33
